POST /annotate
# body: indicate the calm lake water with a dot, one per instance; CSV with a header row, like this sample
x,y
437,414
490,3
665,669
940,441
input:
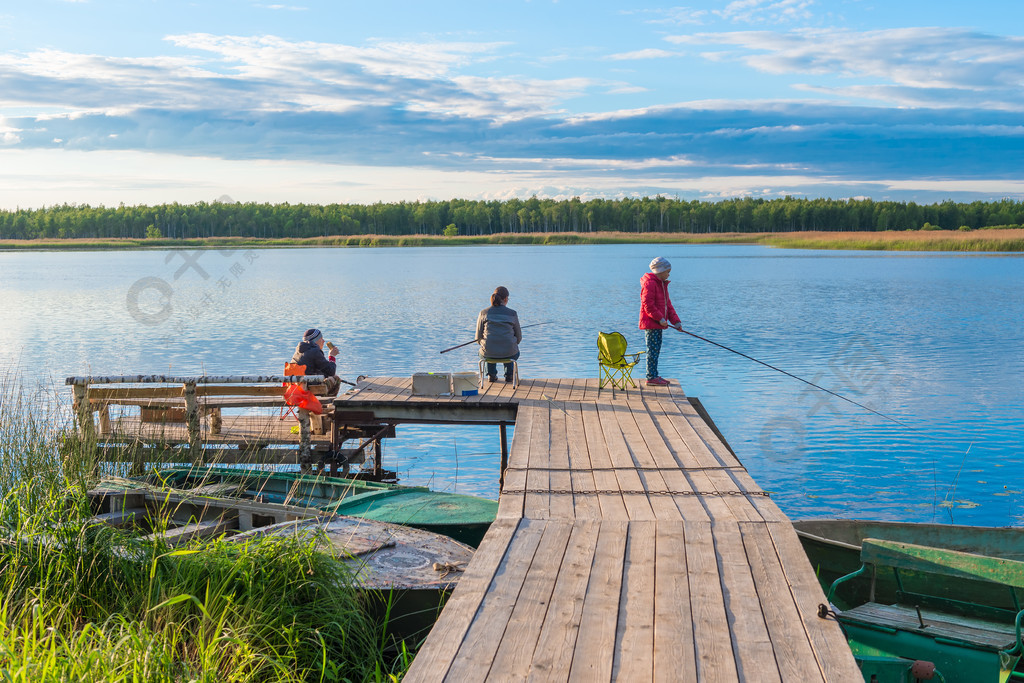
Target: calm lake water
x,y
934,340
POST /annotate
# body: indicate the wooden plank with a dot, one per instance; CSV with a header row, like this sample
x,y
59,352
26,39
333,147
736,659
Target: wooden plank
x,y
644,446
537,505
792,649
674,655
585,505
751,645
595,643
111,395
512,504
634,651
558,634
492,618
826,638
681,441
711,638
612,505
242,390
638,506
513,660
655,440
434,658
188,532
561,505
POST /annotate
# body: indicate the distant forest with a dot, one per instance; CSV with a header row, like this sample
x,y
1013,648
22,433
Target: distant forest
x,y
534,215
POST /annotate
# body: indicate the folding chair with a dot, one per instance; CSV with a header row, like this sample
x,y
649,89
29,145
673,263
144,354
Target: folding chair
x,y
613,363
291,370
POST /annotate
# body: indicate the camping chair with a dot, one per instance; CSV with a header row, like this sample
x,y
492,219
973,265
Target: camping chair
x,y
613,363
291,370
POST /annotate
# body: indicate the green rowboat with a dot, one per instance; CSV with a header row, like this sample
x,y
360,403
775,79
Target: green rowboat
x,y
463,518
952,596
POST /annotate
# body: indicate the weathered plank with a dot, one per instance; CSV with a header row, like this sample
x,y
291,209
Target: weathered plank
x,y
557,641
595,644
634,649
442,644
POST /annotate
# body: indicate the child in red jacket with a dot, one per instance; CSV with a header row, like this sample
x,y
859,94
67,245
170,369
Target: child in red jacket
x,y
656,313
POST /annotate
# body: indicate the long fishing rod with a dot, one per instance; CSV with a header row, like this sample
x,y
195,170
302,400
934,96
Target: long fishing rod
x,y
476,340
789,374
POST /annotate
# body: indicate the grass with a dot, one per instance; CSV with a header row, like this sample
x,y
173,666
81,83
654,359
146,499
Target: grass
x,y
999,239
987,240
84,601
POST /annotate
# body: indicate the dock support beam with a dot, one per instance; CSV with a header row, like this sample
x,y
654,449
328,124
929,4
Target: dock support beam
x,y
502,430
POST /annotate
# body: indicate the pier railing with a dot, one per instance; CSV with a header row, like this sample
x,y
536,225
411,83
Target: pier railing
x,y
193,396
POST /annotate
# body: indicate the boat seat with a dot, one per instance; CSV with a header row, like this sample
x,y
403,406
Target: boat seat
x,y
981,633
924,612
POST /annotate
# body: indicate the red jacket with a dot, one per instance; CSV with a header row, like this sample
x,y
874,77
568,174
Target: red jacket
x,y
654,303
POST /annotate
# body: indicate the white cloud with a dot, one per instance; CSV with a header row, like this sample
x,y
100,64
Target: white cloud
x,y
916,66
766,11
649,53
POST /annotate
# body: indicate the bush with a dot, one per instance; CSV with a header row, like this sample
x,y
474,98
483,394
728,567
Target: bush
x,y
965,228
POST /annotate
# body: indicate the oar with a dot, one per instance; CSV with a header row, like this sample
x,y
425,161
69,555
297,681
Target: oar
x,y
476,340
789,374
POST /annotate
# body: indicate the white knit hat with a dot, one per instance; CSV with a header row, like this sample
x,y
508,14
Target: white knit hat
x,y
660,265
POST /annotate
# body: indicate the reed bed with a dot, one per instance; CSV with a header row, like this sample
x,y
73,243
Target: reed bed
x,y
1003,239
81,601
987,240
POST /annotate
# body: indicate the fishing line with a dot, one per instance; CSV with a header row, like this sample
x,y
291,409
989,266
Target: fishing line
x,y
476,340
789,374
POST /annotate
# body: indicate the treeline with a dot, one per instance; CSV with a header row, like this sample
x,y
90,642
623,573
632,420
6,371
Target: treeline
x,y
534,215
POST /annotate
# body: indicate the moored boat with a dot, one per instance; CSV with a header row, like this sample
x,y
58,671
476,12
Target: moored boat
x,y
949,595
405,573
463,518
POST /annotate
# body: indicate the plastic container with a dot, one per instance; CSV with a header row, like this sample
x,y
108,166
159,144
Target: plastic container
x,y
431,383
465,383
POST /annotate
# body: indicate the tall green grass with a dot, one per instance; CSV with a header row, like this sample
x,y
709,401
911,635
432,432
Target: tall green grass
x,y
83,601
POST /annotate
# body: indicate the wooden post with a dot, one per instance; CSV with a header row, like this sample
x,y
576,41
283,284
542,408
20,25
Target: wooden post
x,y
104,418
216,422
503,432
304,434
83,410
192,419
378,456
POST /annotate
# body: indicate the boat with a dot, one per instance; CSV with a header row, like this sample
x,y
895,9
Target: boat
x,y
405,573
463,518
917,595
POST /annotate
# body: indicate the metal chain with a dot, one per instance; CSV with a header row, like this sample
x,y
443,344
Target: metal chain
x,y
617,492
628,469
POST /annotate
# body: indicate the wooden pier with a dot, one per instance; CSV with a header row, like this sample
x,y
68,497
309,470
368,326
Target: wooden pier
x,y
630,544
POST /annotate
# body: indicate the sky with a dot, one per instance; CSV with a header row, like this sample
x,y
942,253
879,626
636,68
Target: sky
x,y
104,102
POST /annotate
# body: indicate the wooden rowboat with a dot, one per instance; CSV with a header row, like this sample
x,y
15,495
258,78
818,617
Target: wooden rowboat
x,y
917,597
463,518
407,573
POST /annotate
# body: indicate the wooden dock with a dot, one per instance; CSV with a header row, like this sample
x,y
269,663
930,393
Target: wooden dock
x,y
630,544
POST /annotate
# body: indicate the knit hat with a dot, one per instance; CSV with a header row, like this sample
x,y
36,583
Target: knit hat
x,y
660,265
311,335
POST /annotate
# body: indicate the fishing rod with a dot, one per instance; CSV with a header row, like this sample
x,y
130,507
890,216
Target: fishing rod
x,y
476,340
789,374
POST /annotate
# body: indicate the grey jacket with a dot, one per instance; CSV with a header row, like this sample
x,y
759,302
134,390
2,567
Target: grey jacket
x,y
499,333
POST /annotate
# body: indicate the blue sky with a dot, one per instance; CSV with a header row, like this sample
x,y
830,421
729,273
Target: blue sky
x,y
153,101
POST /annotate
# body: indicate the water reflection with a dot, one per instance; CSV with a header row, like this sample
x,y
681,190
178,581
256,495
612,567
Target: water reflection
x,y
933,340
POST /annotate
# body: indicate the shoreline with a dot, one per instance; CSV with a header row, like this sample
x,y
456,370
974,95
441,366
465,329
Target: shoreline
x,y
984,240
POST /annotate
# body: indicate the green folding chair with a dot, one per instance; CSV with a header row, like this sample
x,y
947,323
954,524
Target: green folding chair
x,y
614,364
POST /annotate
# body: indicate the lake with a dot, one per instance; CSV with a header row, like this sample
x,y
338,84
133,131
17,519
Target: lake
x,y
934,341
